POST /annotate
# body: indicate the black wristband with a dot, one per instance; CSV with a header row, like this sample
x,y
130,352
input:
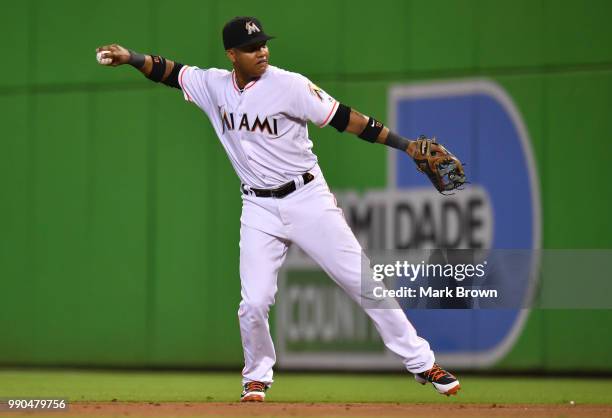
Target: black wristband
x,y
372,130
136,59
397,142
159,68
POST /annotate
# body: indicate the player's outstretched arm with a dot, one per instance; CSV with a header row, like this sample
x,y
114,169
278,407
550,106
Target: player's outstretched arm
x,y
153,67
369,129
443,169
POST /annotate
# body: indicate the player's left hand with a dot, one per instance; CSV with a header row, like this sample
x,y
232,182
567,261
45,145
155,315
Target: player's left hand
x,y
444,170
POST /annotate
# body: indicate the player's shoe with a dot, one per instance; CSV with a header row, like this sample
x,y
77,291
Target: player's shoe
x,y
253,392
444,382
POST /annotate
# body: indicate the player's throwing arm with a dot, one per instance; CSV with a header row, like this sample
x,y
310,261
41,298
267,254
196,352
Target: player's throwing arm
x,y
154,67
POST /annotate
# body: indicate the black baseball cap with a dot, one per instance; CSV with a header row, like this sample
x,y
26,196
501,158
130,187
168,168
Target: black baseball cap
x,y
242,31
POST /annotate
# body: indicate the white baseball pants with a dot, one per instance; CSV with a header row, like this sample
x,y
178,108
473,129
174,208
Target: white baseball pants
x,y
309,218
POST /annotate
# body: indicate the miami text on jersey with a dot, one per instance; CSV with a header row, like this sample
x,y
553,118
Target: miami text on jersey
x,y
264,124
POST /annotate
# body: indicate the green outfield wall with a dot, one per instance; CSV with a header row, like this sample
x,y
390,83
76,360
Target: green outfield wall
x,y
119,211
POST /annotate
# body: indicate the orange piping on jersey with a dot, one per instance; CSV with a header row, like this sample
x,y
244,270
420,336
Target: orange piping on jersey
x,y
248,86
181,82
329,114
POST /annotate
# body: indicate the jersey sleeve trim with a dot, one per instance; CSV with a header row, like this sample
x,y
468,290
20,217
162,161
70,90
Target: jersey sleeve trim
x,y
330,115
180,80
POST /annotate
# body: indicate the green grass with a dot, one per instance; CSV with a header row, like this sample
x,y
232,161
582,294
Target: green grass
x,y
290,387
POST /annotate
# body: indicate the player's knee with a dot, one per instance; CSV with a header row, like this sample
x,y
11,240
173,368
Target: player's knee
x,y
255,308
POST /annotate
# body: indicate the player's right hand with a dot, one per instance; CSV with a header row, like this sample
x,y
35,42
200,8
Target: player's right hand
x,y
112,55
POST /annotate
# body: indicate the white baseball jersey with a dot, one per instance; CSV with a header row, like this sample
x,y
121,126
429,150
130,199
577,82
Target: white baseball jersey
x,y
262,127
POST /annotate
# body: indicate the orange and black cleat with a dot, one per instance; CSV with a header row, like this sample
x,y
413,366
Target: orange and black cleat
x,y
253,392
444,382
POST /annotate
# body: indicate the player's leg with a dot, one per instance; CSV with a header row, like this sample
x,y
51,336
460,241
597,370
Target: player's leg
x,y
319,228
261,255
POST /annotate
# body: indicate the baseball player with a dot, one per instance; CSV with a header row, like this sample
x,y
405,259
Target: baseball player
x,y
260,114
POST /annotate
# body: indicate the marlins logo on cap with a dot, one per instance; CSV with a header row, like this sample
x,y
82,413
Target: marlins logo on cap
x,y
251,27
242,31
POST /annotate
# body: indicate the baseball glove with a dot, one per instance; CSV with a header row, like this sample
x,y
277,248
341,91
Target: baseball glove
x,y
443,169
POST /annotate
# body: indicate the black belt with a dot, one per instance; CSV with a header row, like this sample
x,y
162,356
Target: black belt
x,y
280,191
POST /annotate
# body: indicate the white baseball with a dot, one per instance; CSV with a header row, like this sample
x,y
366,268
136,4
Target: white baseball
x,y
100,57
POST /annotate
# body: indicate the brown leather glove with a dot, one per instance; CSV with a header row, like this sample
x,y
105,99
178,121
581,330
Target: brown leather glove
x,y
444,170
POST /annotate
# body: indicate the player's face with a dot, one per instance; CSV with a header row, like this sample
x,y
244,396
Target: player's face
x,y
251,60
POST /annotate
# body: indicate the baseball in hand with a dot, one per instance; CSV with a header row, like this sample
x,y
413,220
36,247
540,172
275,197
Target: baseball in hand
x,y
102,59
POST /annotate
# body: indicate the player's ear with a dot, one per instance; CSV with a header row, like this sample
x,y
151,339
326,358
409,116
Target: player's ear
x,y
231,55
